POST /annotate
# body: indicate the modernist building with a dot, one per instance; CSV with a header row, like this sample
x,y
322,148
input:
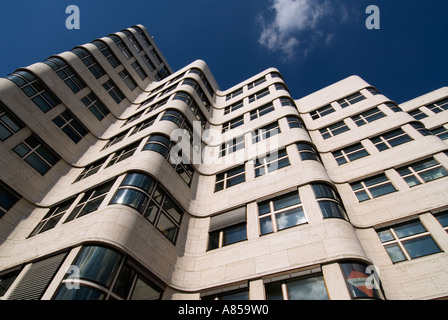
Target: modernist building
x,y
342,194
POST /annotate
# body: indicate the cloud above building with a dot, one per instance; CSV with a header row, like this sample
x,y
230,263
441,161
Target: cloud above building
x,y
298,26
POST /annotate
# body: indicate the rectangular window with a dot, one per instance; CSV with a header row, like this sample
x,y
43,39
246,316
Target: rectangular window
x,y
239,121
121,46
280,213
259,95
91,201
148,62
407,241
233,107
227,228
115,139
231,146
90,62
349,154
256,83
139,70
143,125
66,73
390,139
113,90
94,104
421,129
91,169
295,122
418,114
442,217
440,132
352,99
368,116
123,154
265,132
334,129
230,178
37,154
71,126
127,79
322,112
261,111
8,198
439,106
107,53
234,94
287,102
372,187
310,287
422,172
9,123
273,162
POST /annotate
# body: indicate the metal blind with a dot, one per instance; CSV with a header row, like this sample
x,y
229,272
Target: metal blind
x,y
228,219
36,280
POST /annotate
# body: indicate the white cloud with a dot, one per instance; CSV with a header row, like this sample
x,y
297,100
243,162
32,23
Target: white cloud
x,y
296,26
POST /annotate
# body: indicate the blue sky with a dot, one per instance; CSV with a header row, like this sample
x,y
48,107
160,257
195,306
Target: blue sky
x,y
313,43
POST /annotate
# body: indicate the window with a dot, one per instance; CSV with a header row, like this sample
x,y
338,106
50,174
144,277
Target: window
x,y
232,124
421,129
295,122
265,132
147,196
9,123
127,79
372,187
281,212
91,169
334,130
122,46
123,154
139,70
142,36
275,161
184,169
310,287
71,126
8,198
113,90
349,154
329,201
261,111
107,53
143,125
7,278
233,107
132,39
423,171
307,152
52,217
259,95
439,106
237,294
148,62
352,99
227,228
37,154
442,217
357,276
368,116
281,86
160,144
390,139
107,275
256,83
234,94
35,89
407,241
322,112
66,73
418,114
373,91
230,178
393,106
231,146
90,62
156,56
91,201
94,104
287,102
116,139
440,132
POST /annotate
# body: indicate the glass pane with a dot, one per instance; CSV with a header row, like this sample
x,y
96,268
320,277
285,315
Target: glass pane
x,y
395,253
130,197
385,235
151,212
83,293
421,246
274,291
213,240
167,227
37,163
236,180
362,195
97,264
266,225
382,190
312,288
331,209
138,180
145,290
409,229
443,219
290,218
324,191
242,294
287,200
124,281
172,209
263,208
234,234
433,174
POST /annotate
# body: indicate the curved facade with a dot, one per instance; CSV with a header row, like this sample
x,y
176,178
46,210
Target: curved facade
x,y
180,190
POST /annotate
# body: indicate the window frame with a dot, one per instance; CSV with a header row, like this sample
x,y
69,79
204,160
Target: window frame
x,y
273,162
224,178
367,188
410,171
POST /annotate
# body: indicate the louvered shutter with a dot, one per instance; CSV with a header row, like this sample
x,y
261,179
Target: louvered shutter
x,y
228,219
36,280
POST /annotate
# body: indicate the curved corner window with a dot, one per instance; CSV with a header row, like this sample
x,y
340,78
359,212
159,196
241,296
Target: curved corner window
x,y
307,152
329,201
158,143
147,196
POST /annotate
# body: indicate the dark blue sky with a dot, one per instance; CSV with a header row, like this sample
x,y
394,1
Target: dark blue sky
x,y
313,43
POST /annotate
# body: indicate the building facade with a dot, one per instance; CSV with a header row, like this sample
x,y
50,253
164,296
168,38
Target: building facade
x,y
122,179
